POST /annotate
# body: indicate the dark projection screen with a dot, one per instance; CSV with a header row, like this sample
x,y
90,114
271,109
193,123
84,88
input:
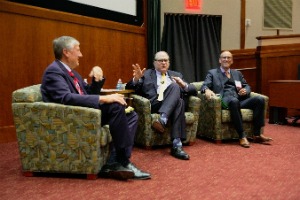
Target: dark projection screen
x,y
91,10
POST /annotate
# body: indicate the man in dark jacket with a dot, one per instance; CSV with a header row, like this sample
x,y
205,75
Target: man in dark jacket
x,y
62,84
235,93
165,89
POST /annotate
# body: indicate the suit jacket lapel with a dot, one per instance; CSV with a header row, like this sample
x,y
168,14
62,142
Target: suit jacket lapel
x,y
154,78
67,75
170,73
221,77
235,75
64,70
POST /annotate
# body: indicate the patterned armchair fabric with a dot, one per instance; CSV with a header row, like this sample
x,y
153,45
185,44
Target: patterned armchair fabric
x,y
58,138
215,123
147,137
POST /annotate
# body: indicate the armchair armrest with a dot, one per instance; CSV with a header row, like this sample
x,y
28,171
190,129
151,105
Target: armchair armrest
x,y
252,94
41,117
209,110
142,107
194,106
212,107
257,94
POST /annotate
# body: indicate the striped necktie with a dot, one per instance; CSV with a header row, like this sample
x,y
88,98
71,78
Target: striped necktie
x,y
76,83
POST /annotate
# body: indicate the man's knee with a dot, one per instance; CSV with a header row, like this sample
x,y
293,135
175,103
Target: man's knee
x,y
234,103
116,108
174,87
260,100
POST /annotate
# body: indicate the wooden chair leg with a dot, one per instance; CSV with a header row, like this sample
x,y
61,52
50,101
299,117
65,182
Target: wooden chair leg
x,y
218,141
27,173
148,147
91,176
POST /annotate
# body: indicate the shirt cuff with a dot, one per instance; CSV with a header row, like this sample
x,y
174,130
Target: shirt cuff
x,y
186,88
134,82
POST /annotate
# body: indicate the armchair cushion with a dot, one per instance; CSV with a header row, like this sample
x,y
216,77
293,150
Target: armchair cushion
x,y
247,115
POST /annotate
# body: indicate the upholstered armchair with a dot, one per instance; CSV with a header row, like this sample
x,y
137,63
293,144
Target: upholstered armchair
x,y
147,137
215,123
58,138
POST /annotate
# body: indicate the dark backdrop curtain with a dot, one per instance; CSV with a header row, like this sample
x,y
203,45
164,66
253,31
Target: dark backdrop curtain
x,y
153,29
193,43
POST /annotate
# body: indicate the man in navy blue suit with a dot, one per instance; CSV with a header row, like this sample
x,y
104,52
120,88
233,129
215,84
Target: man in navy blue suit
x,y
62,84
235,93
166,90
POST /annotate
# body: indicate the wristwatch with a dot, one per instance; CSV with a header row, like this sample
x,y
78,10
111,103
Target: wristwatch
x,y
203,90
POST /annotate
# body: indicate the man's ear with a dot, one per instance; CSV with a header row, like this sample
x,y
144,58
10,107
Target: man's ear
x,y
65,52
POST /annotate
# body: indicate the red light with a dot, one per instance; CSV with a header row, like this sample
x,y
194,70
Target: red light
x,y
193,4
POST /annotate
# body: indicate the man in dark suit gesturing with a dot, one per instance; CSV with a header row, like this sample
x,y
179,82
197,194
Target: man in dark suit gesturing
x,y
165,90
62,84
235,93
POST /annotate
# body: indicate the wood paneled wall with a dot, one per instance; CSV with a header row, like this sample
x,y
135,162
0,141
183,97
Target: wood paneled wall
x,y
276,62
271,62
26,35
244,60
277,58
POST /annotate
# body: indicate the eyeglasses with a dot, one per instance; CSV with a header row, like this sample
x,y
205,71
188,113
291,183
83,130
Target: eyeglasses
x,y
226,57
162,60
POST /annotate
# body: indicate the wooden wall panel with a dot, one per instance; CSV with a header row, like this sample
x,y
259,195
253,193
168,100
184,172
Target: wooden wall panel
x,y
244,60
277,62
271,62
26,35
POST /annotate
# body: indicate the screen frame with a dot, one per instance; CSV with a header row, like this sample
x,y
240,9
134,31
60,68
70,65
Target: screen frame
x,y
90,11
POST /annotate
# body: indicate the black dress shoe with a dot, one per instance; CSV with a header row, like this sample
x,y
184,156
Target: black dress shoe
x,y
116,171
178,152
138,174
159,125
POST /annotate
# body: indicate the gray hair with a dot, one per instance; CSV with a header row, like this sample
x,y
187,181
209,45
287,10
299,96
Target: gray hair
x,y
63,42
160,53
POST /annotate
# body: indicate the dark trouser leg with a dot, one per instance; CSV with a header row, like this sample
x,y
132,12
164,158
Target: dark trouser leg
x,y
132,126
173,107
121,129
236,116
257,104
170,102
178,121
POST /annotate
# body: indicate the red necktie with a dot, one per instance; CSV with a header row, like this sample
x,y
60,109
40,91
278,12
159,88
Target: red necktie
x,y
75,80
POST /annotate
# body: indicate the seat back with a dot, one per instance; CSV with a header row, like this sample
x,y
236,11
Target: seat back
x,y
27,94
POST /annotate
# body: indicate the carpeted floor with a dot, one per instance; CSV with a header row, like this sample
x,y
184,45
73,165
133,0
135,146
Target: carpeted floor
x,y
225,171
